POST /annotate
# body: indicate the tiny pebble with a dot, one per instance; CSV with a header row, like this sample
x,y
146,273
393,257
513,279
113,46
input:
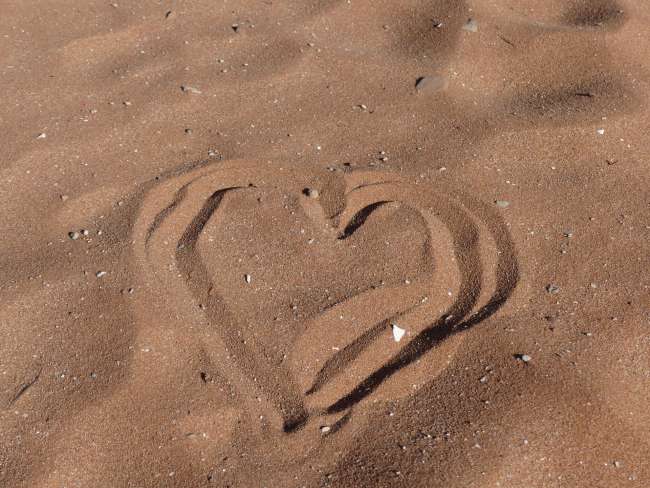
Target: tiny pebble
x,y
552,288
471,26
99,274
502,203
325,429
430,83
190,89
42,135
525,358
311,192
73,235
247,278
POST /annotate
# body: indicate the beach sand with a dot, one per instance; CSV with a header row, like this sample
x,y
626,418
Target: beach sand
x,y
325,243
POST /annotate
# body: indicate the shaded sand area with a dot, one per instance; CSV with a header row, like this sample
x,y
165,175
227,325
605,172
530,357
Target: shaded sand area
x,y
324,243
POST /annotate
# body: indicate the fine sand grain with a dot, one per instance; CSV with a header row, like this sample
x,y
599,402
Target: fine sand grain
x,y
325,243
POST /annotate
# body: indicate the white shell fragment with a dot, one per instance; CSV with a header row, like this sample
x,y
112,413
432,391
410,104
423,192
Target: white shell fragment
x,y
398,332
190,89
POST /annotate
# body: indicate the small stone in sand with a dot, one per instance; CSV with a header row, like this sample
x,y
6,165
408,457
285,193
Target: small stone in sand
x,y
430,83
85,232
552,288
42,135
471,26
502,203
524,357
190,89
74,235
247,278
100,274
325,429
311,192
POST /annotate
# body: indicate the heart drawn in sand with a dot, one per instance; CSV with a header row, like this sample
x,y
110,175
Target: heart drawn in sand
x,y
222,245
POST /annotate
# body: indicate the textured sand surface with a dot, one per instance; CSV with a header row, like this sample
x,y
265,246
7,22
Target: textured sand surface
x,y
219,217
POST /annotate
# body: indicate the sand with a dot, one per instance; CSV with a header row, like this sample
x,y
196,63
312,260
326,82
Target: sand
x,y
324,243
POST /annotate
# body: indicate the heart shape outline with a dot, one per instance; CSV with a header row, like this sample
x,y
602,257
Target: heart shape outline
x,y
196,196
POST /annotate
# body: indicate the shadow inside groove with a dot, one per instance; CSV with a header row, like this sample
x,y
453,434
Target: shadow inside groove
x,y
359,219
